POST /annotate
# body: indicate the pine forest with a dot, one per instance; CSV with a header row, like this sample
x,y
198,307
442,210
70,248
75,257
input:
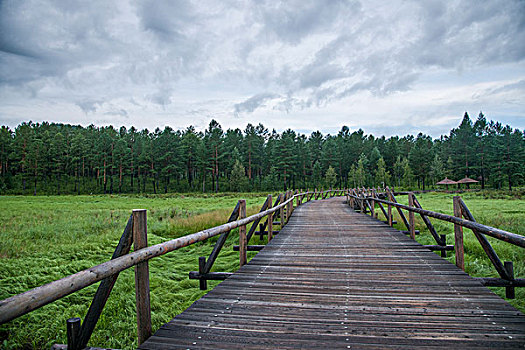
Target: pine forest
x,y
48,158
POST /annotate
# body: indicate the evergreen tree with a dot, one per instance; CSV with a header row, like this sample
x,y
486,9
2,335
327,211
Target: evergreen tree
x,y
408,175
238,180
317,171
213,141
513,156
330,178
6,145
360,176
352,177
420,157
437,171
480,128
399,170
382,177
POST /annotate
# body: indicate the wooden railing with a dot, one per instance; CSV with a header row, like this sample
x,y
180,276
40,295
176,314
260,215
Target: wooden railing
x,y
135,232
365,200
265,229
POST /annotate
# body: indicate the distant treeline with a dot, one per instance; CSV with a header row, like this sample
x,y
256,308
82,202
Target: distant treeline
x,y
48,158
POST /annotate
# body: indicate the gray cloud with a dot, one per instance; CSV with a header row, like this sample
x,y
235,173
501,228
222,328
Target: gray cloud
x,y
89,106
283,21
291,56
253,102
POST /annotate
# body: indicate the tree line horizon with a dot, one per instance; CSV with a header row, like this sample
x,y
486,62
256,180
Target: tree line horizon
x,y
54,158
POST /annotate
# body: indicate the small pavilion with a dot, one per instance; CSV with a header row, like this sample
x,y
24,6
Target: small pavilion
x,y
446,182
467,181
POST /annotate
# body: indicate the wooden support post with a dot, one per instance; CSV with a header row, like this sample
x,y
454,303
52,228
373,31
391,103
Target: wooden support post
x,y
411,219
286,208
104,288
485,244
389,216
290,206
140,240
458,236
281,211
372,205
509,291
243,243
400,212
261,231
270,219
444,241
203,284
220,242
427,222
73,333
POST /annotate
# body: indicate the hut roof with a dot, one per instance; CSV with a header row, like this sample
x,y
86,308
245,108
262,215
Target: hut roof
x,y
446,181
467,180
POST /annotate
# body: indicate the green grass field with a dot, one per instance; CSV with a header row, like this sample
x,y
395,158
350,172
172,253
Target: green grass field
x,y
46,238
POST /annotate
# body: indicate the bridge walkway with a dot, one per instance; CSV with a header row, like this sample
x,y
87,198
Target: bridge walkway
x,y
334,278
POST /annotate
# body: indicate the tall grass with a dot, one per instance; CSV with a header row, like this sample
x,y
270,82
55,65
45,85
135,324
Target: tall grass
x,y
47,238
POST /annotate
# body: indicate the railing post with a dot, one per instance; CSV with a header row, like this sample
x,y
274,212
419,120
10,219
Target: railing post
x,y
444,241
140,240
281,210
411,219
270,219
289,206
389,209
458,235
243,244
509,291
372,204
73,333
203,283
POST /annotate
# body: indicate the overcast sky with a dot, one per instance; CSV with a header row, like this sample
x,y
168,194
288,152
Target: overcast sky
x,y
388,67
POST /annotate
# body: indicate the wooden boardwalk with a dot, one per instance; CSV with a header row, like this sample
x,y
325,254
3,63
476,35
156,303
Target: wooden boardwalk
x,y
337,279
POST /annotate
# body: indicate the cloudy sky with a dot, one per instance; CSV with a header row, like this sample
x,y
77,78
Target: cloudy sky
x,y
388,67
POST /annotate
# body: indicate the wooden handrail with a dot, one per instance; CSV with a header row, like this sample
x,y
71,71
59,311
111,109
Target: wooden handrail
x,y
502,235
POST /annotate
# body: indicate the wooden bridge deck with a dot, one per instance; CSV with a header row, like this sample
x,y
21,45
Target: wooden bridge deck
x,y
334,278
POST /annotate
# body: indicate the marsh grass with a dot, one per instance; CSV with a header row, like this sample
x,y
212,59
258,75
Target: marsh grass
x,y
506,212
47,238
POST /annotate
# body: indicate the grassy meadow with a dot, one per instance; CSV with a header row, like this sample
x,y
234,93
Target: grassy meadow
x,y
46,238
